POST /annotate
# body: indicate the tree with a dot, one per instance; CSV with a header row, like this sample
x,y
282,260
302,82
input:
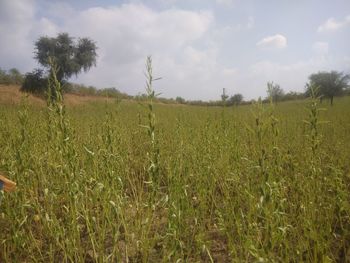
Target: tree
x,y
347,91
274,92
236,99
35,82
3,77
329,84
293,95
69,56
15,76
12,76
180,100
224,97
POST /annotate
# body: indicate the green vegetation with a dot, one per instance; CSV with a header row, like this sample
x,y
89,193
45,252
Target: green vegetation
x,y
274,92
329,84
83,90
12,76
236,99
70,57
35,82
125,181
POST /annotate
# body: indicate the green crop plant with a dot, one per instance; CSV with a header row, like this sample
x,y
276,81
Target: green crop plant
x,y
271,184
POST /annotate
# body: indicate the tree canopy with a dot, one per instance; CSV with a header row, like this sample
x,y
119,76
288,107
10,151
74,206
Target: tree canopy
x,y
71,57
236,99
328,84
35,82
12,76
180,100
224,96
274,91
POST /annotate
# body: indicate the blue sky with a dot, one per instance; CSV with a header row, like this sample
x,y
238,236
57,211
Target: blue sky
x,y
199,47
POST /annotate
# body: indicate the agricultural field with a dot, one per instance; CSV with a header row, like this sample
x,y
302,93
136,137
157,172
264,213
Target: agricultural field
x,y
119,181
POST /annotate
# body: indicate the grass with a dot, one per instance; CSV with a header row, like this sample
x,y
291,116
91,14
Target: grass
x,y
261,183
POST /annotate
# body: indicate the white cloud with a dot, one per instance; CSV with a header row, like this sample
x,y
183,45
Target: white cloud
x,y
320,48
19,29
195,74
248,25
251,22
225,2
15,27
229,71
223,33
333,25
187,48
276,41
126,34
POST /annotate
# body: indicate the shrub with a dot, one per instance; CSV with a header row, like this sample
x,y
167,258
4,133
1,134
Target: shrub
x,y
35,82
180,100
12,76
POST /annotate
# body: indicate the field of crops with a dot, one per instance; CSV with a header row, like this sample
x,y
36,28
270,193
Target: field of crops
x,y
129,182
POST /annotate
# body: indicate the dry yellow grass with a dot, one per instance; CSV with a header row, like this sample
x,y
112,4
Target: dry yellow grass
x,y
74,99
11,95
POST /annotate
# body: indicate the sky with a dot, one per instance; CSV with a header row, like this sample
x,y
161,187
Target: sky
x,y
199,47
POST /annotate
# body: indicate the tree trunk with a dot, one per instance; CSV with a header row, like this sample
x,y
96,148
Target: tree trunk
x,y
331,100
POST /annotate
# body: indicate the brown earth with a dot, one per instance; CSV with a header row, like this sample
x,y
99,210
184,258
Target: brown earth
x,y
11,95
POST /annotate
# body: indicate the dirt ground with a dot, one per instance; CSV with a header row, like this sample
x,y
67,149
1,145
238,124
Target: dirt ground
x,y
11,94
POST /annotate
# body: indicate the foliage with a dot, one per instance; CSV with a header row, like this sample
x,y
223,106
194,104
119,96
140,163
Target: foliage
x,y
330,84
272,185
12,76
224,97
274,92
71,57
83,90
180,100
35,82
236,99
151,126
347,91
292,95
264,183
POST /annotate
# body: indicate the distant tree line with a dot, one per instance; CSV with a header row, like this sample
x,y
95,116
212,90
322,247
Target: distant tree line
x,y
326,85
70,56
11,76
36,82
82,90
323,84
